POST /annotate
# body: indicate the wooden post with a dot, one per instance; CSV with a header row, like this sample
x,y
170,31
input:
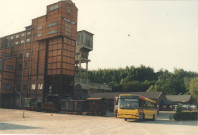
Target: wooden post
x,y
23,113
51,110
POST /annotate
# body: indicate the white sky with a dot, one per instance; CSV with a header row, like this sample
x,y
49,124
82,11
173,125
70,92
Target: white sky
x,y
163,34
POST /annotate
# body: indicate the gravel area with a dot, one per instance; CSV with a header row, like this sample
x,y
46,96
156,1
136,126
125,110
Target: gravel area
x,y
12,122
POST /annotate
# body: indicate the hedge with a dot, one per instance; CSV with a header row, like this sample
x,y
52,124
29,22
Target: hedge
x,y
185,116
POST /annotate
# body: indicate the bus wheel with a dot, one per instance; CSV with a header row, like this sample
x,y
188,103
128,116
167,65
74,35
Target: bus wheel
x,y
125,119
153,117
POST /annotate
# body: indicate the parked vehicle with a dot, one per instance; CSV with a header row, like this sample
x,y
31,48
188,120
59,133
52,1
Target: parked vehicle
x,y
32,104
193,107
136,107
186,107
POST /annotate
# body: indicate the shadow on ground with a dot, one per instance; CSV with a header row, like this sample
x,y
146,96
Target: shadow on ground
x,y
168,122
6,126
164,119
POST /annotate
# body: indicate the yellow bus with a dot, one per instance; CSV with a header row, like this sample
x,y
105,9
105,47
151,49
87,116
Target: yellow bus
x,y
136,107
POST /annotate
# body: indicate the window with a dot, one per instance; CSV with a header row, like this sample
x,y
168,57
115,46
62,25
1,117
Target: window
x,y
40,28
7,86
52,32
12,37
128,103
1,64
22,34
28,40
25,65
9,67
40,86
22,41
52,24
21,56
29,32
40,35
20,66
53,7
16,43
17,36
33,86
27,55
5,54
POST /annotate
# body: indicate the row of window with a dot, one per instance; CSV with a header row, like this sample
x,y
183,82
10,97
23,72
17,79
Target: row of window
x,y
5,54
149,105
22,35
9,67
27,55
50,25
22,41
24,66
49,33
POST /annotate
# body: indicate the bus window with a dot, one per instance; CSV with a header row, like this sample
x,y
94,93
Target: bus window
x,y
128,103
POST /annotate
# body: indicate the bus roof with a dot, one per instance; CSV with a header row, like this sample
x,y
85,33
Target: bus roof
x,y
136,96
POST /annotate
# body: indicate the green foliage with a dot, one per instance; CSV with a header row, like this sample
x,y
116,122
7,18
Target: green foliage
x,y
170,117
187,83
179,109
152,88
128,79
141,79
185,116
173,83
194,88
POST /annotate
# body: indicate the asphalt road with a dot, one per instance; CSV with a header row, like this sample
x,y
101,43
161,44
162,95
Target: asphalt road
x,y
12,122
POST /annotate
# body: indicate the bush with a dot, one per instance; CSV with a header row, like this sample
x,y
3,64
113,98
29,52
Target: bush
x,y
179,109
185,116
170,117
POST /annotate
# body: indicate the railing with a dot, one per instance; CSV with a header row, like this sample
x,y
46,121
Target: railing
x,y
86,84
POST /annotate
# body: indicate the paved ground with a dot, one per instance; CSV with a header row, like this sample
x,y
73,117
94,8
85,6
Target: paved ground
x,y
11,122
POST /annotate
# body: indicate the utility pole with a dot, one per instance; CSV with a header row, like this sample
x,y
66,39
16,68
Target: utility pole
x,y
22,72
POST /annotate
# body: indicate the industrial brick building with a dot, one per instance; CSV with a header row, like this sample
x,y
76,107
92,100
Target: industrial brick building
x,y
39,62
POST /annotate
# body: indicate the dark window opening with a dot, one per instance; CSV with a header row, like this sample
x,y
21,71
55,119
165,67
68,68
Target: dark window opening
x,y
7,86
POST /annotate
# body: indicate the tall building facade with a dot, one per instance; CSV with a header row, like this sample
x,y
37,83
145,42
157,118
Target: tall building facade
x,y
40,61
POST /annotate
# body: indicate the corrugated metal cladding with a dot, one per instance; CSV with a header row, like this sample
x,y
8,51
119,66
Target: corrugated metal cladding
x,y
39,62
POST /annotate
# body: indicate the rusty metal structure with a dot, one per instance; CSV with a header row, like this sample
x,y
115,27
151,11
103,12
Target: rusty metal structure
x,y
39,61
82,84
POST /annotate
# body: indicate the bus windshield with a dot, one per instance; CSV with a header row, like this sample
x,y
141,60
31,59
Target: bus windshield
x,y
128,103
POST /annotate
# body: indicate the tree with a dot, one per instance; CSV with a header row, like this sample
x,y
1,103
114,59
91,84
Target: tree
x,y
152,88
144,79
194,88
166,83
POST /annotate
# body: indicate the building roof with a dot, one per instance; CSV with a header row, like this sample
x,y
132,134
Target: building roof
x,y
150,95
85,32
178,98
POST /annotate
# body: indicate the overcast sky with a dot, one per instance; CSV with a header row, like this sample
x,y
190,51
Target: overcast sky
x,y
159,34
